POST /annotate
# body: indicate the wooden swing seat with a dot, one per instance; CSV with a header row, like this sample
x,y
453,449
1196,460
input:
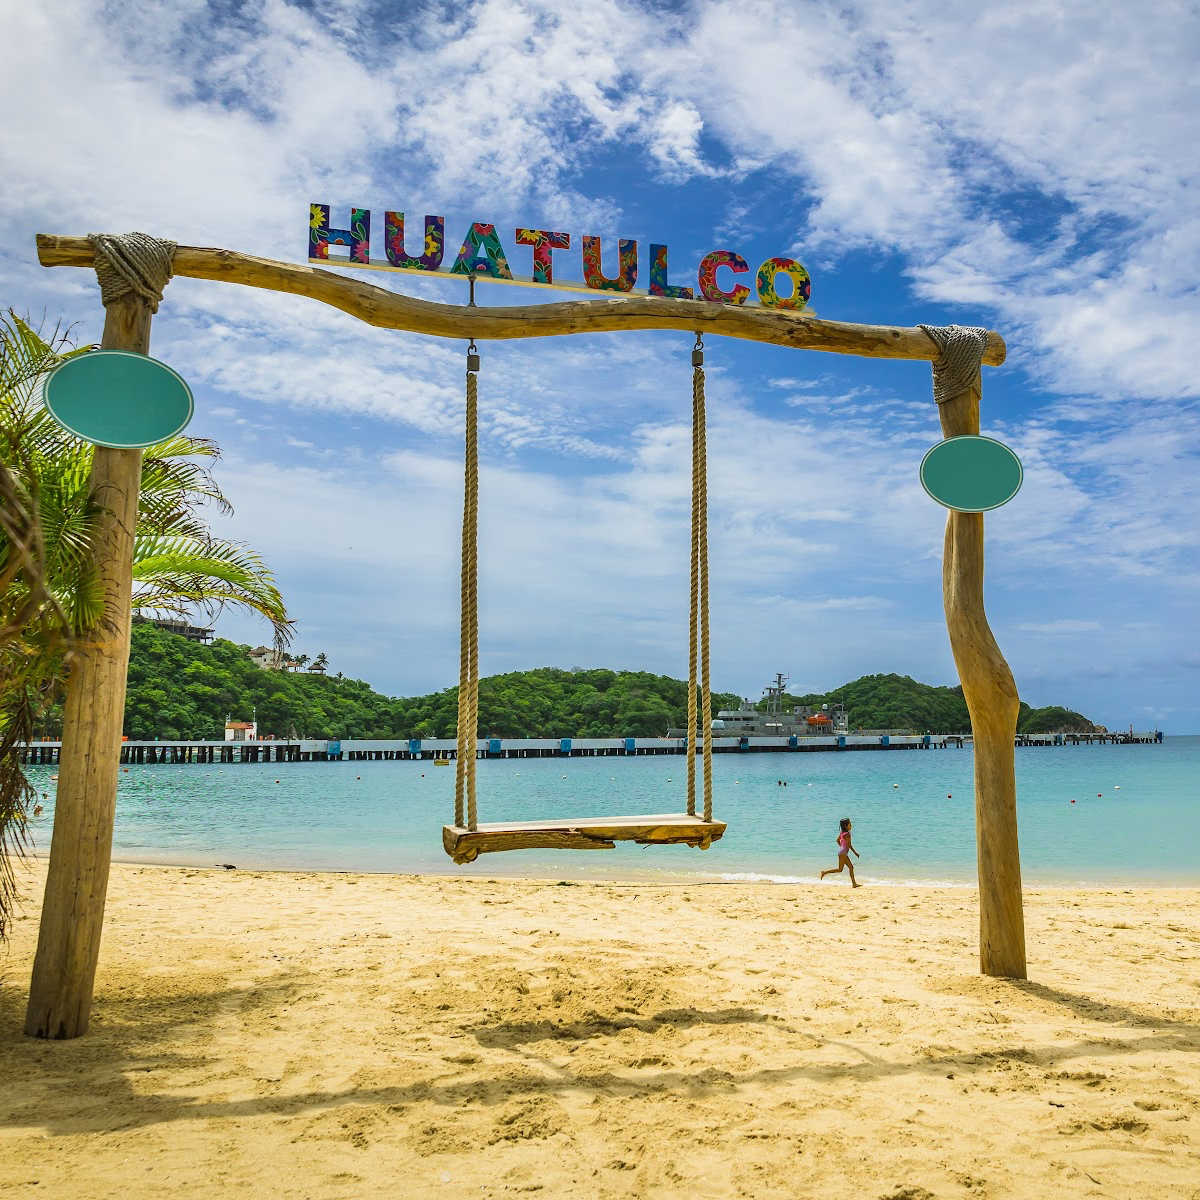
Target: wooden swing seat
x,y
579,833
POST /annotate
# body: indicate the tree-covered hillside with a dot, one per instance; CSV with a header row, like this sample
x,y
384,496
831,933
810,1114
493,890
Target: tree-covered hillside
x,y
179,689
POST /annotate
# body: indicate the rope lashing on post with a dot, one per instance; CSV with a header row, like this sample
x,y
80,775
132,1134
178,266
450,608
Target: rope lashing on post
x,y
468,656
961,348
132,262
698,645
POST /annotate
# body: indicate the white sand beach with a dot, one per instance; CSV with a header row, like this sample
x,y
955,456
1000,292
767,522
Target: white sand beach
x,y
330,1035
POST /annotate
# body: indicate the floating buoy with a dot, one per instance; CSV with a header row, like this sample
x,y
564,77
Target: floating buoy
x,y
1072,799
1116,787
358,777
277,781
1099,795
949,796
895,785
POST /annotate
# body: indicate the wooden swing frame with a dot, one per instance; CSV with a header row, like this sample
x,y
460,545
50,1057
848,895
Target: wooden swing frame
x,y
81,848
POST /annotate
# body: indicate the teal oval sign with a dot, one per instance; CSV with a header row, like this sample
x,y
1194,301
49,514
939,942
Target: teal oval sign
x,y
118,398
971,474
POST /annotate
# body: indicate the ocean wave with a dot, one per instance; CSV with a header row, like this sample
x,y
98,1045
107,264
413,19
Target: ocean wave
x,y
756,877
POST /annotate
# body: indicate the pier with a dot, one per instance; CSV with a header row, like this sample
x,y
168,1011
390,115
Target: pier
x,y
429,749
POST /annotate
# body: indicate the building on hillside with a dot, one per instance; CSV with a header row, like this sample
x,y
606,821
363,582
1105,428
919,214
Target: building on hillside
x,y
267,658
272,660
241,731
193,633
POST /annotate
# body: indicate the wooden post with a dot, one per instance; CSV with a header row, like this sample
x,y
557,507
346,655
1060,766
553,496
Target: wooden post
x,y
64,969
991,695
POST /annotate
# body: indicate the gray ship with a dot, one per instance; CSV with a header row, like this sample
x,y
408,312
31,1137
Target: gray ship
x,y
774,720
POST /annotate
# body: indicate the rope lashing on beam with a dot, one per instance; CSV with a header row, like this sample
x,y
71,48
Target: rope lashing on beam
x,y
961,348
132,263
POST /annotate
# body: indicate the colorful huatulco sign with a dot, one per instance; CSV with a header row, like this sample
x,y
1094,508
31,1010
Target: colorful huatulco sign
x,y
971,474
778,282
118,398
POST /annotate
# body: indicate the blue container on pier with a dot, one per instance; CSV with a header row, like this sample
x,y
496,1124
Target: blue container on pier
x,y
493,745
841,741
631,745
414,745
927,741
565,745
793,741
885,740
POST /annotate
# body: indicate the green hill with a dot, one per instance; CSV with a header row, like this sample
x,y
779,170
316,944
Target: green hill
x,y
900,702
180,689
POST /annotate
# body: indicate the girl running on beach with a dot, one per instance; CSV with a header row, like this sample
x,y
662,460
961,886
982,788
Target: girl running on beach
x,y
845,849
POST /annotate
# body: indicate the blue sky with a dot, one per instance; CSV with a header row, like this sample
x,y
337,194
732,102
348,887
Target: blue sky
x,y
1028,167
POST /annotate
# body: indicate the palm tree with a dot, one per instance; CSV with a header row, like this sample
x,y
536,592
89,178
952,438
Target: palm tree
x,y
320,663
179,566
46,529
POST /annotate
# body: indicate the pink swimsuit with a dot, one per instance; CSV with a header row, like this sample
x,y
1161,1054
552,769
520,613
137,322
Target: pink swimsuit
x,y
843,843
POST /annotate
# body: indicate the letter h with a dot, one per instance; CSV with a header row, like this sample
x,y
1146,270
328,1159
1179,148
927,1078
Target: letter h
x,y
321,236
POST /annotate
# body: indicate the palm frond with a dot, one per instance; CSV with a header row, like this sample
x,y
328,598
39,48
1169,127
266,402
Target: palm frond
x,y
210,573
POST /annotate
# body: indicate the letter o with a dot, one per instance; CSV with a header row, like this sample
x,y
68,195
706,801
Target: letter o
x,y
768,297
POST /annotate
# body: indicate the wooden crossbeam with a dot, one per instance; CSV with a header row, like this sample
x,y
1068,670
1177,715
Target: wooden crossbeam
x,y
390,310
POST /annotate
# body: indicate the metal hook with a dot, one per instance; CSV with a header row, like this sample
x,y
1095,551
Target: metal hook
x,y
472,352
698,351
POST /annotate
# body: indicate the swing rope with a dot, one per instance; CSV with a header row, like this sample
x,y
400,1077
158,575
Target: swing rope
x,y
468,657
698,616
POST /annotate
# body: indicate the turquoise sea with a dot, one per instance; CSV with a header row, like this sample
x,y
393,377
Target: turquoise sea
x,y
1135,820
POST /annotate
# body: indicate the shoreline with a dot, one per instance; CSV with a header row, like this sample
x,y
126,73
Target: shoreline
x,y
649,879
331,1034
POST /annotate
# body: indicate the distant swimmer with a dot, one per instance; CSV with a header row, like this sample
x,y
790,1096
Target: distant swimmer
x,y
845,849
